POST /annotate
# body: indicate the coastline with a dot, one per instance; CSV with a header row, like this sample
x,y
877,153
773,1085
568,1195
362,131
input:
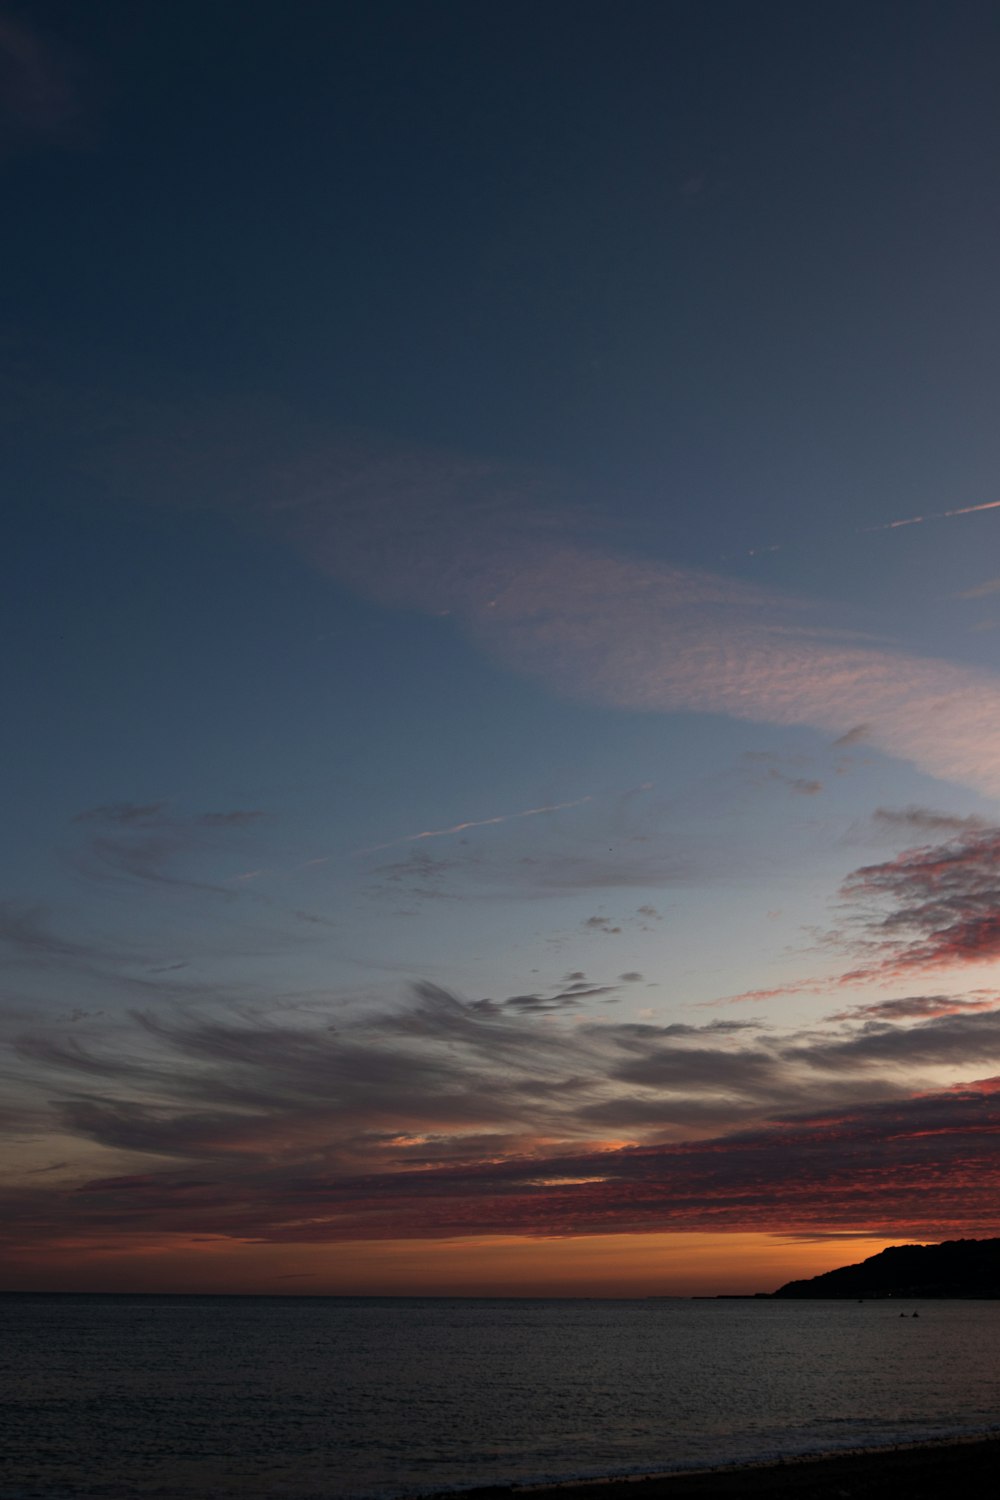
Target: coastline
x,y
921,1471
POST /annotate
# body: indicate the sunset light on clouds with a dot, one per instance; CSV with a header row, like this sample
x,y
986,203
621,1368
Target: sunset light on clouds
x,y
503,707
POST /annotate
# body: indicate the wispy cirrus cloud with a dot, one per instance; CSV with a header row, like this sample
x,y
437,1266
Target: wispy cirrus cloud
x,y
534,581
459,539
982,590
450,1117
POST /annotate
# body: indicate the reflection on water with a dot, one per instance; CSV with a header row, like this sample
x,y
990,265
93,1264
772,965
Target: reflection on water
x,y
336,1397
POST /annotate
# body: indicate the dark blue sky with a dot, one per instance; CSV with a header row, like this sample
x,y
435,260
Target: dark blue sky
x,y
680,245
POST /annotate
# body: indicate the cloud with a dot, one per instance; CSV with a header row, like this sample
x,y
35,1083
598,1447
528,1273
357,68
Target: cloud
x,y
27,935
238,818
923,820
629,633
805,786
142,843
531,579
194,1085
800,784
444,1117
954,1038
927,908
641,637
982,590
241,1091
913,1008
601,924
543,866
773,992
125,814
943,900
570,998
909,1167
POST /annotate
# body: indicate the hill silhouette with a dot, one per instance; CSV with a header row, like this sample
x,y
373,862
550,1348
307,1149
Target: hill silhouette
x,y
956,1268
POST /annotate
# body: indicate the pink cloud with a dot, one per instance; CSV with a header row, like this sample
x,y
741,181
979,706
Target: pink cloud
x,y
943,905
535,584
461,539
924,1166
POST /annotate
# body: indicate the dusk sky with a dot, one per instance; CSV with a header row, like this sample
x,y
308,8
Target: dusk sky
x,y
501,745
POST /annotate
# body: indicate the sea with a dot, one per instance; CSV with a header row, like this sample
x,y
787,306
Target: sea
x,y
368,1398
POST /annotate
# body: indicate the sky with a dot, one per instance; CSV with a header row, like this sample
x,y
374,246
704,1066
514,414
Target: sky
x,y
501,746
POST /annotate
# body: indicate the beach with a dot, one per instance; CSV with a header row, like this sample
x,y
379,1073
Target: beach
x,y
922,1471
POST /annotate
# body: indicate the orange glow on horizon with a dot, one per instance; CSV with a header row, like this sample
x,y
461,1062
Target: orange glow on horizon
x,y
637,1265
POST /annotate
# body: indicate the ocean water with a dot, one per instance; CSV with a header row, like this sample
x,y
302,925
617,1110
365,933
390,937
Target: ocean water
x,y
316,1398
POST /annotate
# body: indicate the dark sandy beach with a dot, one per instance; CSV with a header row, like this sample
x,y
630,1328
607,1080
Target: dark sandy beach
x,y
922,1472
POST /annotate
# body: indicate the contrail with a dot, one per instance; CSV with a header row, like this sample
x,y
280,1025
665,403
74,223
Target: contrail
x,y
937,515
440,833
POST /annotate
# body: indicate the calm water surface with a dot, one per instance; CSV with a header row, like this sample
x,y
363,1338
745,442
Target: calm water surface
x,y
362,1397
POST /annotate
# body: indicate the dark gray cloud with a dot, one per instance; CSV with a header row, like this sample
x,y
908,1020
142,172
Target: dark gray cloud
x,y
805,786
601,924
646,1031
438,1117
767,765
27,934
147,843
568,999
125,814
917,822
913,1008
472,871
955,1040
438,1062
